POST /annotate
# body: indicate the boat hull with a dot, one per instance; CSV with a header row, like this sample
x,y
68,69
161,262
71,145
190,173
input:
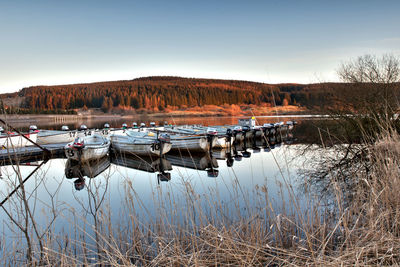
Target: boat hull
x,y
16,140
134,146
49,137
90,147
86,153
223,142
192,143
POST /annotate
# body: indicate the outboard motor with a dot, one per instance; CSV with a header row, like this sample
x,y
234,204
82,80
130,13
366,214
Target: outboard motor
x,y
290,125
142,125
266,128
212,131
212,173
272,130
83,127
124,126
246,154
33,128
152,124
79,184
229,161
228,137
106,128
134,125
1,129
236,130
164,137
211,135
164,177
238,157
245,130
78,143
64,128
272,142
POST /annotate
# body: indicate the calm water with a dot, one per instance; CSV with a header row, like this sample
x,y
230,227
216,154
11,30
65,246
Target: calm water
x,y
235,180
117,121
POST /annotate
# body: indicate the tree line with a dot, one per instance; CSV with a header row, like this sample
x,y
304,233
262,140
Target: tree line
x,y
158,93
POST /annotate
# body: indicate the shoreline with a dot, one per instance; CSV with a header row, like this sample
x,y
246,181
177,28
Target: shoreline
x,y
57,117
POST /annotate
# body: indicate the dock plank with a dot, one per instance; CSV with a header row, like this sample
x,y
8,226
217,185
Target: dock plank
x,y
21,154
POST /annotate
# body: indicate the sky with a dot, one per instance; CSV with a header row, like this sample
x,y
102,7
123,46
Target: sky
x,y
63,42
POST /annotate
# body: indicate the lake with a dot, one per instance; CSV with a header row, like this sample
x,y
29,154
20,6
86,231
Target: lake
x,y
199,189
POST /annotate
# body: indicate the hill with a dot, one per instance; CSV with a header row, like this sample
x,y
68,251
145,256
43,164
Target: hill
x,y
156,94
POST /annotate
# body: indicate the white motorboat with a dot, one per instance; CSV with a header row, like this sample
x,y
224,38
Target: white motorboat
x,y
141,143
55,137
223,142
87,147
13,139
187,142
195,140
223,135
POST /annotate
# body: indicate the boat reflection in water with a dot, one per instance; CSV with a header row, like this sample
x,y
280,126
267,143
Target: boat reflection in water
x,y
256,144
247,146
90,169
227,153
146,164
243,147
202,162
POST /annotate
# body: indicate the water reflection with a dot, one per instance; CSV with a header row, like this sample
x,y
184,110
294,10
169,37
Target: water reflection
x,y
118,177
147,164
207,162
91,169
80,170
201,162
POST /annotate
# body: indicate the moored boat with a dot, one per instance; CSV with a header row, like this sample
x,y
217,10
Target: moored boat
x,y
55,137
87,147
193,140
14,139
141,143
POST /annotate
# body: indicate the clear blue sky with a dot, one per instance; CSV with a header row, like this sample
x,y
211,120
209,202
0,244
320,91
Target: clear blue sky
x,y
49,42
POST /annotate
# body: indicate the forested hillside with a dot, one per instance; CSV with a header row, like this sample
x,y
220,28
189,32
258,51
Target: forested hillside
x,y
159,93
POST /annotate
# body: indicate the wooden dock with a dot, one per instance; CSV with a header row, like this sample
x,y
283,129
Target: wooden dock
x,y
30,153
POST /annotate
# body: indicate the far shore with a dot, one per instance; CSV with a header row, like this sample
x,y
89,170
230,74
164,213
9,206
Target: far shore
x,y
206,111
25,120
